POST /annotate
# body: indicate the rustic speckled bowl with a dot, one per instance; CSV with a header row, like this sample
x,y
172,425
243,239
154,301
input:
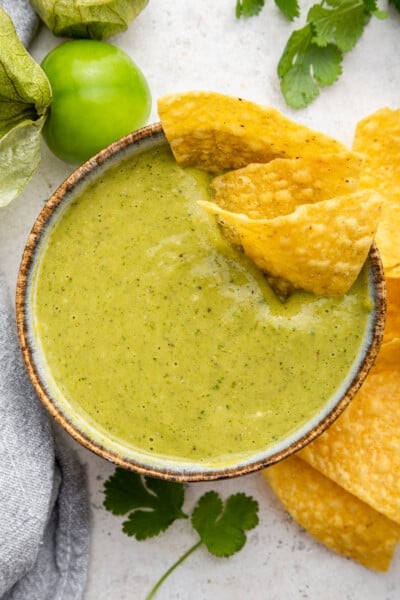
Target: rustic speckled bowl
x,y
99,443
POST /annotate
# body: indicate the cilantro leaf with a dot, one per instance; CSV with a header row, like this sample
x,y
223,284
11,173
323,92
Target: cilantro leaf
x,y
304,67
298,87
153,504
326,63
124,491
296,47
248,8
290,8
313,55
221,528
342,23
372,7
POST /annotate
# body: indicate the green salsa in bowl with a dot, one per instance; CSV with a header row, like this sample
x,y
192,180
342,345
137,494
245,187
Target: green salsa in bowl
x,y
159,346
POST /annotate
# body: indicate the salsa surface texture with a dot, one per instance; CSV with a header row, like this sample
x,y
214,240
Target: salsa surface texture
x,y
159,333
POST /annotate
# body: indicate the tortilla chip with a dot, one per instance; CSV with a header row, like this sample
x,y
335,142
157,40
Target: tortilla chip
x,y
268,190
318,247
333,516
392,328
378,138
361,450
216,132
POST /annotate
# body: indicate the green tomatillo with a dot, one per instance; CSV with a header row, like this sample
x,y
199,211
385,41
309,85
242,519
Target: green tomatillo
x,y
99,95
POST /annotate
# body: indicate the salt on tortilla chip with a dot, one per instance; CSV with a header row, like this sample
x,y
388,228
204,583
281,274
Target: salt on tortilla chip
x,y
361,450
318,247
333,516
217,132
392,328
267,190
378,138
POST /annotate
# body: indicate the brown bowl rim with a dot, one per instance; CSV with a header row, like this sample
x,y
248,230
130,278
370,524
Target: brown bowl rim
x,y
162,472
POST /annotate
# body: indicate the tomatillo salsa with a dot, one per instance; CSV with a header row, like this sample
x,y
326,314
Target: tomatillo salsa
x,y
168,339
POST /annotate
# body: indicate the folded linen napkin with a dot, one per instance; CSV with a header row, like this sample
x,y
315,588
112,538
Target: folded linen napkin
x,y
44,515
44,522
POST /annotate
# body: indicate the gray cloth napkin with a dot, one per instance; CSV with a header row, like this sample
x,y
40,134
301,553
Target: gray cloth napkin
x,y
44,520
44,511
26,21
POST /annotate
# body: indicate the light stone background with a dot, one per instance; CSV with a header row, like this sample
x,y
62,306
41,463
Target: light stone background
x,y
183,45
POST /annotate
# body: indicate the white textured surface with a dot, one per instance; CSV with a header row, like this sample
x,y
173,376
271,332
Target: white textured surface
x,y
183,45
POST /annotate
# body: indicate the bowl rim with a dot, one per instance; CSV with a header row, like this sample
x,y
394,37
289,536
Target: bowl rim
x,y
252,464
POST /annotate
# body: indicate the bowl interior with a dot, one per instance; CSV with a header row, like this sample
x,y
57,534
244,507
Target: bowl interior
x,y
95,436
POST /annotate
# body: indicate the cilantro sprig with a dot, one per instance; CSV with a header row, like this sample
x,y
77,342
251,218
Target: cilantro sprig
x,y
248,8
313,55
152,505
251,8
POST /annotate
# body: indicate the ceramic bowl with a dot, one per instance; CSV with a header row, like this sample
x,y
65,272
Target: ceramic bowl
x,y
98,442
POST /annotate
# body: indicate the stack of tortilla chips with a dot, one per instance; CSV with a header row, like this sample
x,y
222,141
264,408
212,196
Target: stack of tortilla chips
x,y
344,487
288,195
307,210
